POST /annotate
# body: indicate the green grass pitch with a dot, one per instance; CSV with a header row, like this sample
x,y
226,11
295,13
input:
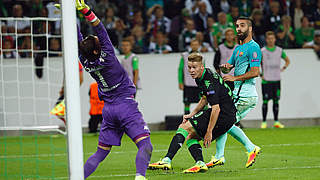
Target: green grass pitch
x,y
291,153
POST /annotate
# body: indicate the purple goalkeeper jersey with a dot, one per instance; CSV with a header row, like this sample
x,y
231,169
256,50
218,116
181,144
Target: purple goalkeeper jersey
x,y
113,81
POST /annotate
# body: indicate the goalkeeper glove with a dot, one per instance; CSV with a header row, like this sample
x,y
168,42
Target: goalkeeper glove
x,y
85,10
58,6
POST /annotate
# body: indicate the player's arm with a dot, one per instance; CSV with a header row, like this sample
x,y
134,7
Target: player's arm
x,y
180,74
253,72
261,68
203,101
98,27
80,37
135,67
213,100
254,57
213,119
286,59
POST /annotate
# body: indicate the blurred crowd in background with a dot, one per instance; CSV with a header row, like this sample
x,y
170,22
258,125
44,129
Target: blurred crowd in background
x,y
161,26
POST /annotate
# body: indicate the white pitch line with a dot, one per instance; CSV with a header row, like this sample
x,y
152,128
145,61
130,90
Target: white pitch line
x,y
159,150
171,172
284,168
64,154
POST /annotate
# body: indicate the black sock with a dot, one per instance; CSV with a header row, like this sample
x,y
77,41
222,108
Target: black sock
x,y
196,152
264,112
176,143
275,111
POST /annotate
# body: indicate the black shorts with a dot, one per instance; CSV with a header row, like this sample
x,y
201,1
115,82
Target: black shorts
x,y
201,120
271,90
191,94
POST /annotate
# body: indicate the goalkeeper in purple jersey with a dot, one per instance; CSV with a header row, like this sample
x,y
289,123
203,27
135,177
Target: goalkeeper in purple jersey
x,y
120,112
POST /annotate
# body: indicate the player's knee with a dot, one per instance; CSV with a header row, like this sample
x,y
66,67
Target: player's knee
x,y
181,126
145,145
149,148
185,125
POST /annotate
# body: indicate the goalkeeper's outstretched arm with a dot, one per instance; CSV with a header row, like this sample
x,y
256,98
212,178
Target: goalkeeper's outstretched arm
x,y
98,27
80,37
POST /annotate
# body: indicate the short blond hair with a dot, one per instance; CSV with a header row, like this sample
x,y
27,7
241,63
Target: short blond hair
x,y
195,57
227,30
269,33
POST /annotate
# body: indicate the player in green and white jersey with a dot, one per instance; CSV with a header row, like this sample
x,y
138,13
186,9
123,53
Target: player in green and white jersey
x,y
271,62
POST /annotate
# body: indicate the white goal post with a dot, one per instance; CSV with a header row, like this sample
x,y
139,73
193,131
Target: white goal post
x,y
70,52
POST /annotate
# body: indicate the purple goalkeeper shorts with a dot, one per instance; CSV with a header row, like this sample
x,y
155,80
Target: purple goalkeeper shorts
x,y
121,117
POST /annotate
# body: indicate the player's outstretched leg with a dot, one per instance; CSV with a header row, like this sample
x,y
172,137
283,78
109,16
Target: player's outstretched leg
x,y
143,156
94,160
176,143
218,158
196,152
252,149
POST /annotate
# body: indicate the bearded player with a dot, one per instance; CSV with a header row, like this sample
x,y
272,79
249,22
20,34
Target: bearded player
x,y
246,60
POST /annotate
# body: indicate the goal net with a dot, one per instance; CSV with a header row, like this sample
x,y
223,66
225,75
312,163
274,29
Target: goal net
x,y
31,73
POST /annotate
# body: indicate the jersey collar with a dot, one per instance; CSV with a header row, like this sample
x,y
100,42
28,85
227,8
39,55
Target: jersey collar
x,y
126,56
204,71
271,49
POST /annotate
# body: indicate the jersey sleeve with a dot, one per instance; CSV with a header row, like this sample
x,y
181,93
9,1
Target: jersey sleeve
x,y
104,39
180,71
254,56
283,54
80,37
212,94
135,63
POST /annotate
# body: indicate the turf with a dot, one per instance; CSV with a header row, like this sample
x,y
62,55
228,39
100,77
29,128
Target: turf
x,y
291,153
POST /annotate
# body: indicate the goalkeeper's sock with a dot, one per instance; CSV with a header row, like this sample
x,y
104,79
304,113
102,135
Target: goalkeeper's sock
x,y
94,160
195,149
240,136
176,142
220,144
143,156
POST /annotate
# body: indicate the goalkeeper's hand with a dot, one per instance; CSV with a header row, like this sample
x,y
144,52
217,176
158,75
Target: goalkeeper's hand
x,y
82,7
58,6
88,14
79,5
